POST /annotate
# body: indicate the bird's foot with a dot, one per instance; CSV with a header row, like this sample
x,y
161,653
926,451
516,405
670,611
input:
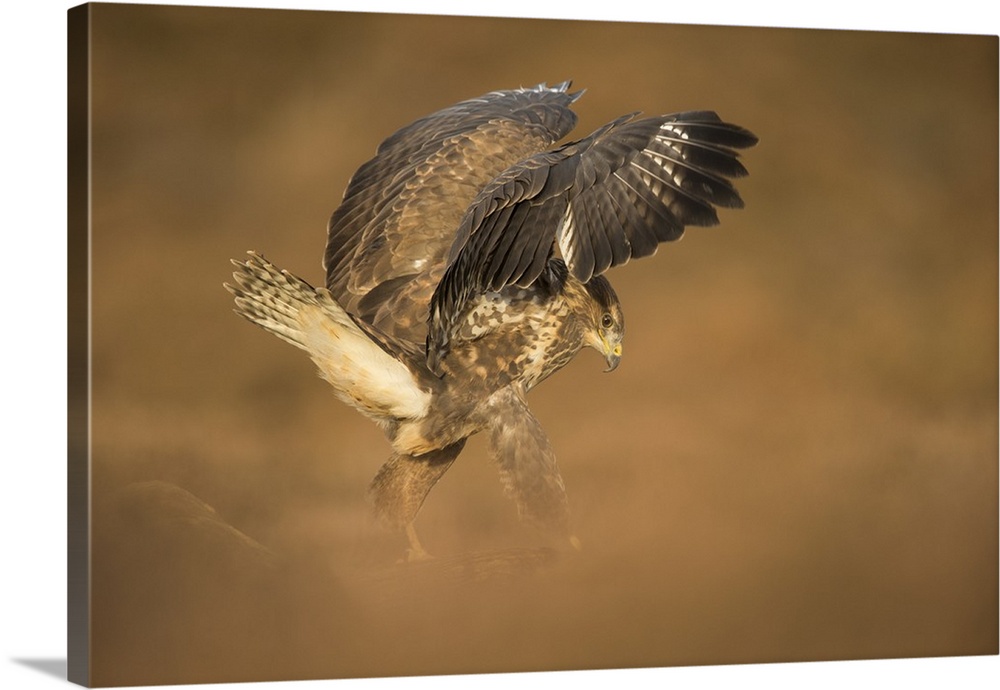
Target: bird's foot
x,y
416,553
416,556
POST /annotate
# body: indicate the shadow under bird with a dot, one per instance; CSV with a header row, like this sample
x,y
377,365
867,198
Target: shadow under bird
x,y
465,266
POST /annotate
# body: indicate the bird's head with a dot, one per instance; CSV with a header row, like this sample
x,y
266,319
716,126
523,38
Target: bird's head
x,y
606,327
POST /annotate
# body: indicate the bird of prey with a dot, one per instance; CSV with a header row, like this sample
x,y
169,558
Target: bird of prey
x,y
466,264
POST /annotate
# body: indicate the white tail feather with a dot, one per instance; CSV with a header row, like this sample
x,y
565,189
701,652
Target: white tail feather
x,y
363,374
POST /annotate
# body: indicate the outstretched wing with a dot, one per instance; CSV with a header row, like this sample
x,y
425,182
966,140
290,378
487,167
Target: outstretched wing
x,y
601,201
388,242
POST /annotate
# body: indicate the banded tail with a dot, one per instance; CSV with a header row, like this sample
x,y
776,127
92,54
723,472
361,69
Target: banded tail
x,y
361,372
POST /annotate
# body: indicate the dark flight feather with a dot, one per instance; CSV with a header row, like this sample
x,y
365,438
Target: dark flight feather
x,y
601,200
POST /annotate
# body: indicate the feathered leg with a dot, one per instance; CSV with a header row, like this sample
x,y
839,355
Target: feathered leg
x,y
398,490
528,470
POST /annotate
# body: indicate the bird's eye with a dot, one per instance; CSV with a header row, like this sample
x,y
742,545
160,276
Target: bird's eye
x,y
607,321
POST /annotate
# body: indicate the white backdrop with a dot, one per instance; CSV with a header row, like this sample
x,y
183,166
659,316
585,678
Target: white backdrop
x,y
32,613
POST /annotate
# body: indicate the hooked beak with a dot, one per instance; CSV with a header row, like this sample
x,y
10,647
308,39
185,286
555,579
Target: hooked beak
x,y
613,356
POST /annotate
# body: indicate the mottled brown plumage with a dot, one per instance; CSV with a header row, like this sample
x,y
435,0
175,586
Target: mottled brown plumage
x,y
464,266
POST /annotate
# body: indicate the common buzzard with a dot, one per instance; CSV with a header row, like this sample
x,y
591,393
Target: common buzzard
x,y
465,265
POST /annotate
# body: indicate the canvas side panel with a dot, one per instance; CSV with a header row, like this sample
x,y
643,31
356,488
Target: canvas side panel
x,y
78,346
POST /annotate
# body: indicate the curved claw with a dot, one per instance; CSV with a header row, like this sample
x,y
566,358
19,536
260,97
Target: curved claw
x,y
416,552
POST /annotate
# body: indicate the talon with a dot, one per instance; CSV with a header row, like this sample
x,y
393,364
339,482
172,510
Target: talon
x,y
416,553
415,556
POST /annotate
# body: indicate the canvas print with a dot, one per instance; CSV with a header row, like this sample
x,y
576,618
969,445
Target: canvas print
x,y
351,388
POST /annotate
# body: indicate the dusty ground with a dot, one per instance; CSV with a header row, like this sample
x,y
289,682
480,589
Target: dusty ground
x,y
796,460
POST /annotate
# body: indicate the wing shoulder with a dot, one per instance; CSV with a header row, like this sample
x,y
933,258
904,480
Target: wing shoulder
x,y
401,209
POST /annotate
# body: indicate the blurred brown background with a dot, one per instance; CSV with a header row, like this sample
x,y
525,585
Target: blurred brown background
x,y
796,460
